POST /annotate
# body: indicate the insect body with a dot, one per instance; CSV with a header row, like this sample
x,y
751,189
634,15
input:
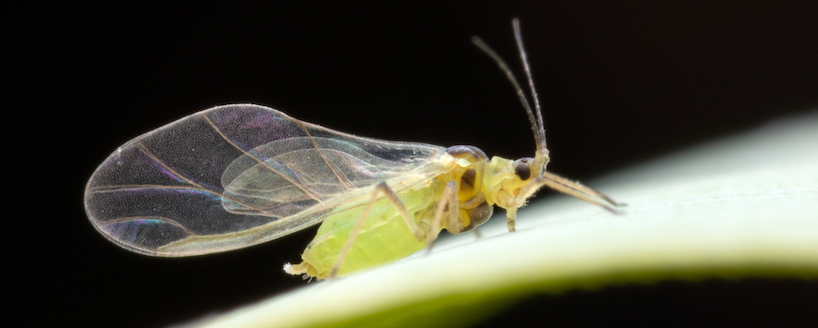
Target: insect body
x,y
385,235
239,175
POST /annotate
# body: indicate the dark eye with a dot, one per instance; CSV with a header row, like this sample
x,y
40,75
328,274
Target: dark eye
x,y
522,171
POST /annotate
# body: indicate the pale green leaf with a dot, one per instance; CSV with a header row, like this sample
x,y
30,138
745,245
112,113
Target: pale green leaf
x,y
744,206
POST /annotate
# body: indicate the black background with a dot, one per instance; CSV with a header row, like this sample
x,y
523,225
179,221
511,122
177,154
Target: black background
x,y
620,82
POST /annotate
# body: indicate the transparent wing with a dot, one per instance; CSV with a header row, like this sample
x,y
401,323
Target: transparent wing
x,y
238,175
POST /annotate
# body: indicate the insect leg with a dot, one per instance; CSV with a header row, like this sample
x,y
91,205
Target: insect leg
x,y
572,189
449,197
511,217
581,188
381,188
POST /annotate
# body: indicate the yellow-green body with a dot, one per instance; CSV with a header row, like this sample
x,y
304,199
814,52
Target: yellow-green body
x,y
384,236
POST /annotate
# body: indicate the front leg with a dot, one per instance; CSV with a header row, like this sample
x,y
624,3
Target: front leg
x,y
511,217
562,185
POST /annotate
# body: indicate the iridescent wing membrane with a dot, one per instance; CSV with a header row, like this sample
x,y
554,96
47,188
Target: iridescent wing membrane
x,y
238,175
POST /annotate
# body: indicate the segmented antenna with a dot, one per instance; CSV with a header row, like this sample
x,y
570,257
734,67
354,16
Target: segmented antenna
x,y
536,122
518,36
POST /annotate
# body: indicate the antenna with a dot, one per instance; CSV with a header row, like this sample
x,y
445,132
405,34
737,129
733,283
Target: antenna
x,y
536,122
518,36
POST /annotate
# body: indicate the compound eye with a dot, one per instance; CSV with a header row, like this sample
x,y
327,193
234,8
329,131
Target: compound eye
x,y
522,171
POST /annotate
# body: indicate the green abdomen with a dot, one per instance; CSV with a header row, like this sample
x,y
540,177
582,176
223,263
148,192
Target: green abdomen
x,y
383,238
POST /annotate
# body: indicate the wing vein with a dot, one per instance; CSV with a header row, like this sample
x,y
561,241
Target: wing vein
x,y
196,185
161,218
341,178
263,163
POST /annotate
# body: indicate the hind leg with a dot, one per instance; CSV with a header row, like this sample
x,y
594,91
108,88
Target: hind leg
x,y
389,194
449,198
